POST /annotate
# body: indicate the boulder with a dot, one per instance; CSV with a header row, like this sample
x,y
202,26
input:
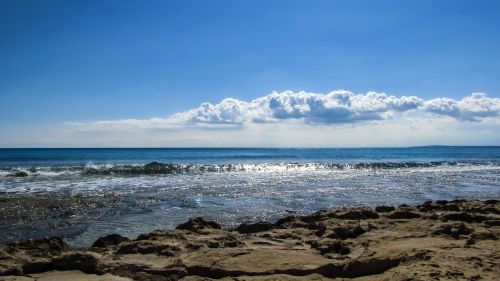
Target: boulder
x,y
253,227
110,240
384,209
403,214
198,224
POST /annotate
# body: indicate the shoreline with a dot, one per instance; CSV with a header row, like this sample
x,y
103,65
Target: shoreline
x,y
453,240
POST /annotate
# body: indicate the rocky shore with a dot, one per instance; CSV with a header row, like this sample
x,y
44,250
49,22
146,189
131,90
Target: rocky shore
x,y
441,240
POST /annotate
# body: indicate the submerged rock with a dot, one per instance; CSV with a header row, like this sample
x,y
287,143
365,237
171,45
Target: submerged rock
x,y
19,174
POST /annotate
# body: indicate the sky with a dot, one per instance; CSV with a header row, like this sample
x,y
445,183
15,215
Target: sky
x,y
249,73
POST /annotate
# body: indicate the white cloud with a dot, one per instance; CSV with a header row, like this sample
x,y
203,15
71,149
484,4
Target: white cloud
x,y
338,118
337,107
471,108
334,107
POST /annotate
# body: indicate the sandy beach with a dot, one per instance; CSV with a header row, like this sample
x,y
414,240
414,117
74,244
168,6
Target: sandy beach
x,y
437,240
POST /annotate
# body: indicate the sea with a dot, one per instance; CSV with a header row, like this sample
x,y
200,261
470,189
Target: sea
x,y
82,194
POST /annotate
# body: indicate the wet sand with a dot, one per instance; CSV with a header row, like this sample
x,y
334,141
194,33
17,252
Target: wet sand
x,y
441,240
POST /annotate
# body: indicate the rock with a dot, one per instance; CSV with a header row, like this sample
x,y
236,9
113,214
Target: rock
x,y
369,266
325,246
491,202
253,227
110,240
384,209
451,229
160,168
403,214
319,246
148,247
84,261
20,174
197,224
43,247
462,216
450,207
492,222
346,231
357,214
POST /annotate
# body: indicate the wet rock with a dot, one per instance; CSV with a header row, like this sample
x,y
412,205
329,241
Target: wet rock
x,y
198,224
83,261
160,168
110,240
403,214
153,235
148,247
491,202
253,227
357,214
384,209
451,207
20,174
492,222
43,247
461,216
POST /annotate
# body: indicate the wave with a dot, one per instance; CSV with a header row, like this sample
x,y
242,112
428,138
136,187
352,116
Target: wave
x,y
156,168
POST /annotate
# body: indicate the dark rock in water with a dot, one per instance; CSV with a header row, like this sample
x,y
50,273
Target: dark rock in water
x,y
384,209
253,227
110,240
359,214
197,224
160,168
43,247
155,167
20,174
403,214
491,202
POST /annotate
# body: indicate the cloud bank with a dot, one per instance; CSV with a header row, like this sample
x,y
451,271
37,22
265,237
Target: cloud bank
x,y
337,107
288,119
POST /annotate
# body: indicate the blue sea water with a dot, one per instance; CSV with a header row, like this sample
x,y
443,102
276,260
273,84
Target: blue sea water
x,y
90,192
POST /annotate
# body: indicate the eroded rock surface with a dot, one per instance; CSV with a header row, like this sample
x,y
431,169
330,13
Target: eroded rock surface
x,y
440,240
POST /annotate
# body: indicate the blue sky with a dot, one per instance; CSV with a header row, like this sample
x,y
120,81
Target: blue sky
x,y
89,61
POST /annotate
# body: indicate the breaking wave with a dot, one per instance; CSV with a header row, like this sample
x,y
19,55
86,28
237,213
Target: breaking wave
x,y
156,168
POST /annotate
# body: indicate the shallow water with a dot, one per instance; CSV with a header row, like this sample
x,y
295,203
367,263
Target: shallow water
x,y
82,194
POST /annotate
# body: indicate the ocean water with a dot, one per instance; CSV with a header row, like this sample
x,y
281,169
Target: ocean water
x,y
82,194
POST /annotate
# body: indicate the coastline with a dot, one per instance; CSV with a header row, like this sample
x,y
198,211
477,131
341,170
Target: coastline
x,y
439,240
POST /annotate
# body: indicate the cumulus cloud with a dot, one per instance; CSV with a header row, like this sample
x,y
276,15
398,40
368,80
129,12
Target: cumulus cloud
x,y
337,107
471,108
338,118
334,107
